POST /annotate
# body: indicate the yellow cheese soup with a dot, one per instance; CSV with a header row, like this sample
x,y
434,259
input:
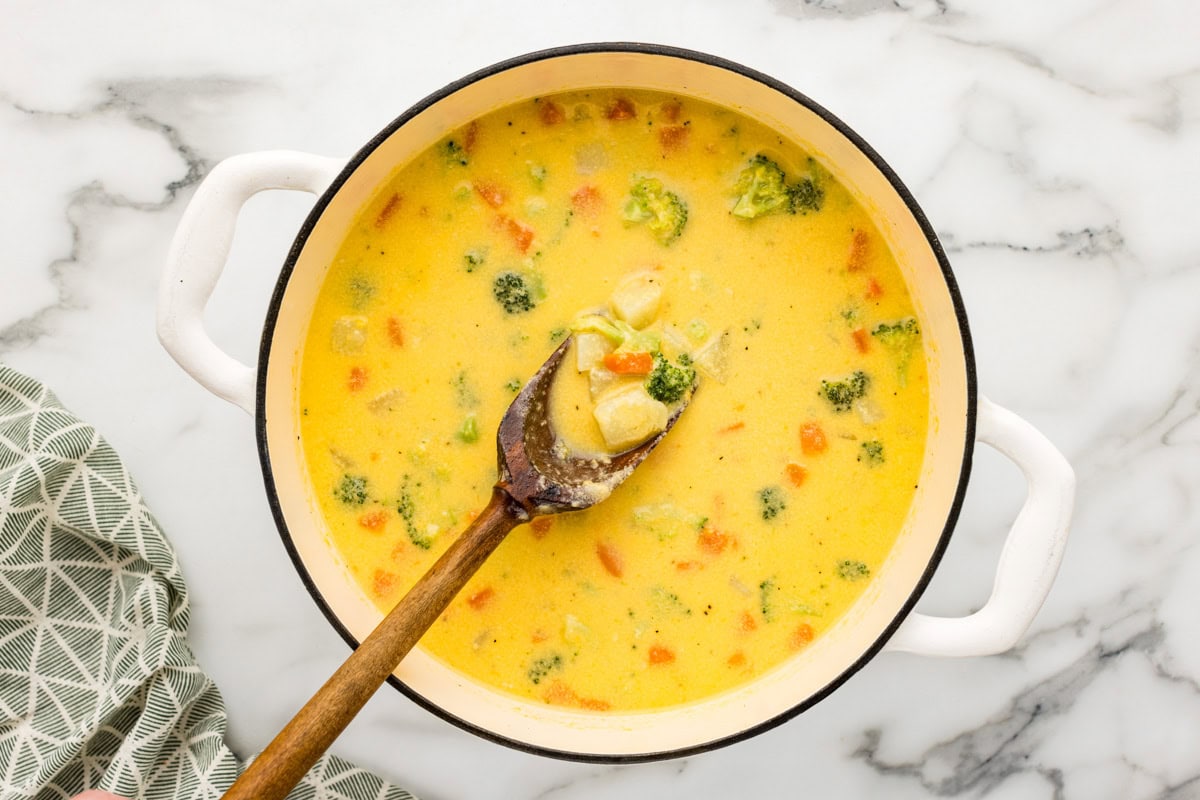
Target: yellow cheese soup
x,y
758,520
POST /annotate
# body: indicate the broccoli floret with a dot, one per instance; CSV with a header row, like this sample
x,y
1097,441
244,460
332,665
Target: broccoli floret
x,y
513,385
624,336
406,507
513,293
849,570
766,598
900,339
841,394
871,453
771,501
468,432
762,188
664,212
454,153
667,382
351,490
473,259
542,667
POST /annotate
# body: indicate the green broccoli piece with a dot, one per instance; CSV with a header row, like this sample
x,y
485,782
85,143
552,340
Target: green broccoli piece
x,y
513,293
849,570
454,154
406,507
766,598
513,385
468,433
542,667
762,188
772,502
664,212
667,382
871,453
900,339
351,490
624,336
473,259
841,394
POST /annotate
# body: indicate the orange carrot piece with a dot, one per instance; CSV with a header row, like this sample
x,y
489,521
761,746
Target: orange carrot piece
x,y
374,520
796,474
587,200
540,526
470,135
812,439
611,559
357,379
874,290
383,582
737,426
550,112
671,109
861,340
520,233
492,194
672,138
388,211
620,109
560,694
660,654
480,599
395,331
538,636
746,622
592,704
688,566
801,636
629,363
738,659
713,541
860,247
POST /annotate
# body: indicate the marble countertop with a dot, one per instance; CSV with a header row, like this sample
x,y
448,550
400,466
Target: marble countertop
x,y
1055,147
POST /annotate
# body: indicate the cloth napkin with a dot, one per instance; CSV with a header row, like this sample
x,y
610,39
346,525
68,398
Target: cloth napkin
x,y
98,686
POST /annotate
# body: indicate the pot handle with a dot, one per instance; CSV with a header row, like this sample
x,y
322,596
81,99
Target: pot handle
x,y
1031,554
199,251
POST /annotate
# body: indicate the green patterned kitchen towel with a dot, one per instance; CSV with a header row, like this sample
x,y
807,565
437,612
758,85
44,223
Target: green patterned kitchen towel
x,y
98,686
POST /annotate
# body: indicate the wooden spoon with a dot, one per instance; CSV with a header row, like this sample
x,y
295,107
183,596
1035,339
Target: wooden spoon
x,y
536,479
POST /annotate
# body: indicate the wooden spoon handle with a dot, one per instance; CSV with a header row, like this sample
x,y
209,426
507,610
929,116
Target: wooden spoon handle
x,y
310,733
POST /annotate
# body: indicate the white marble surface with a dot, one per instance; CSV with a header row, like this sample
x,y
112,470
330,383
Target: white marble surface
x,y
1055,147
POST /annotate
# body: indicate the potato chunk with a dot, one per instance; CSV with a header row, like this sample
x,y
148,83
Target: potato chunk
x,y
637,298
629,417
590,350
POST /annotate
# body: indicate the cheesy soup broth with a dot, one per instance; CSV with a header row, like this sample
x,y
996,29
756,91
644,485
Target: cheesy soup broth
x,y
755,524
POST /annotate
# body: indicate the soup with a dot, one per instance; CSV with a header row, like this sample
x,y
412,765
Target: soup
x,y
756,523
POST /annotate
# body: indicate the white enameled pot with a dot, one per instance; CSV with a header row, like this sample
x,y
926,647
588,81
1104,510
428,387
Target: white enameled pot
x,y
881,619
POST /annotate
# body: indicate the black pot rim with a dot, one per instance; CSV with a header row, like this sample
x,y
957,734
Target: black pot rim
x,y
710,60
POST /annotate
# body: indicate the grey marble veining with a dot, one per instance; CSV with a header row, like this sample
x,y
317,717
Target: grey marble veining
x,y
1055,149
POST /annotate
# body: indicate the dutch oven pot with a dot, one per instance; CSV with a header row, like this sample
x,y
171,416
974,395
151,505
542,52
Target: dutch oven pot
x,y
880,620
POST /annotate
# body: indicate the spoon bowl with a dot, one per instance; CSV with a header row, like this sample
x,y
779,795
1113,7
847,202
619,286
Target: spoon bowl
x,y
537,477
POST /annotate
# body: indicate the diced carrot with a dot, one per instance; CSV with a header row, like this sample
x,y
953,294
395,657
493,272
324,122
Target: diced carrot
x,y
672,138
383,582
550,112
660,655
737,659
398,550
592,704
560,694
746,622
480,599
620,109
874,290
492,194
587,200
520,233
688,566
812,439
712,541
470,135
357,379
671,109
374,520
611,559
861,340
860,247
538,636
395,331
541,526
796,474
737,426
629,363
374,456
389,209
801,636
